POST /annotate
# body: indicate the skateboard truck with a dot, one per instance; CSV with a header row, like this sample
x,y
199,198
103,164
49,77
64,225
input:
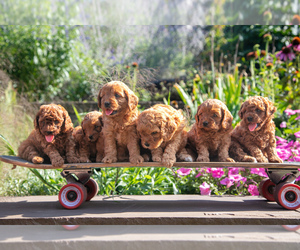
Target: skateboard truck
x,y
283,175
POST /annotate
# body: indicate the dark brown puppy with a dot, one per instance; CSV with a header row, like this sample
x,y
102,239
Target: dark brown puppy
x,y
119,106
210,135
89,138
51,138
253,139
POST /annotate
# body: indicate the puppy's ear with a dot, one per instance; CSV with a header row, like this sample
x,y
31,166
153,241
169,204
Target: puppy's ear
x,y
197,114
99,98
227,119
36,121
270,108
67,124
168,127
242,110
132,99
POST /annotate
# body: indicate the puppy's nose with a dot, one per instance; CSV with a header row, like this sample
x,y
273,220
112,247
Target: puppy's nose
x,y
205,124
107,104
146,144
90,137
249,118
49,132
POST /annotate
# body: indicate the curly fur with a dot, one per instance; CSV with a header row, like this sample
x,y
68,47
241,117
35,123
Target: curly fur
x,y
51,138
210,135
253,139
119,106
162,130
89,138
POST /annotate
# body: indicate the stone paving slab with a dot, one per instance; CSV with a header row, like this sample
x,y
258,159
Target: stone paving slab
x,y
147,210
143,237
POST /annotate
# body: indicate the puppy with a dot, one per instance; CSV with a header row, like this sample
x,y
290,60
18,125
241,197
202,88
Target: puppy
x,y
162,130
210,135
119,106
89,138
51,138
253,139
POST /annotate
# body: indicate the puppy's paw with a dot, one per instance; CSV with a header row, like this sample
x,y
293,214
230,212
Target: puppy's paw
x,y
201,158
99,158
37,160
275,159
146,157
136,159
84,159
73,159
57,162
168,160
248,158
109,159
262,159
156,158
229,159
185,158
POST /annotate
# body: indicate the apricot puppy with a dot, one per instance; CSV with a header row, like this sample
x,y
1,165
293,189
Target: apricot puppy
x,y
253,139
162,130
51,140
119,106
89,138
210,135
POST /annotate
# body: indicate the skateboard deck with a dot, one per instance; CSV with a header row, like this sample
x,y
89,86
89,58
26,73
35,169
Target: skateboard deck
x,y
16,161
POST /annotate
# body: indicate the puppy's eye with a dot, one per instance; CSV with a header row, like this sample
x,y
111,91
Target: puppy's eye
x,y
56,122
257,110
215,115
117,95
154,133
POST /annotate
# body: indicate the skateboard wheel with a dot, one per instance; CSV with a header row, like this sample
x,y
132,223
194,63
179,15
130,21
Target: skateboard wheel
x,y
72,195
291,227
92,189
287,195
266,189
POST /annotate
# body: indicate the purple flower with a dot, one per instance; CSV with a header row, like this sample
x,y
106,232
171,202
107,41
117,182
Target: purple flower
x,y
290,112
286,53
184,171
297,118
237,179
283,125
217,172
226,181
252,189
233,171
205,189
297,134
259,171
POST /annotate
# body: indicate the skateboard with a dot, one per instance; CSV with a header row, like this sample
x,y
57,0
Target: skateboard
x,y
81,187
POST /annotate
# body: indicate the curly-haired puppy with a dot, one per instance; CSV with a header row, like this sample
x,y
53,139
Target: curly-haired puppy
x,y
162,130
253,139
51,138
119,109
210,135
89,138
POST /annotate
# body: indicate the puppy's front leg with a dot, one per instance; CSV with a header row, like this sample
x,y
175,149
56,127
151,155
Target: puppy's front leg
x,y
55,157
84,152
110,146
133,147
223,151
100,149
169,156
157,154
70,151
203,153
257,153
272,153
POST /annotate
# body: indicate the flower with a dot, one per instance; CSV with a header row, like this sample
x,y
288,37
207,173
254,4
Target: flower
x,y
217,172
252,189
184,171
237,179
233,171
297,134
267,15
283,125
296,43
251,55
226,181
286,53
295,20
259,171
135,64
205,189
267,37
290,112
269,65
297,118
